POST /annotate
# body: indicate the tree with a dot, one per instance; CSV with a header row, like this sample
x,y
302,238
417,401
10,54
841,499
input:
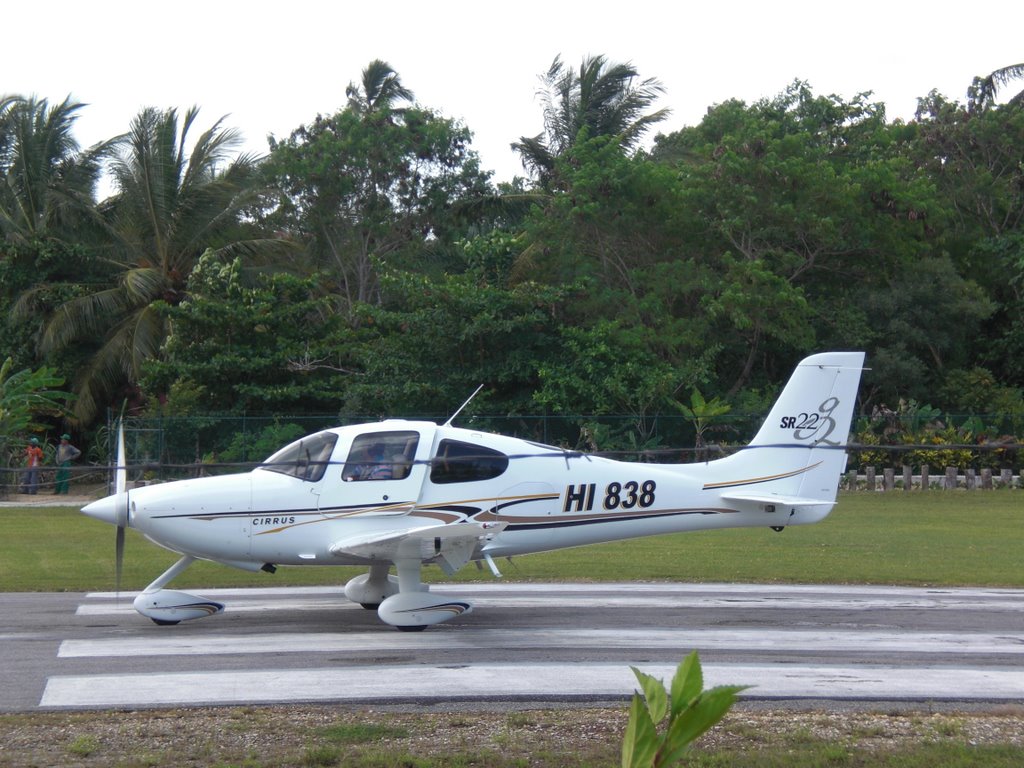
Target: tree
x,y
172,203
372,185
48,182
49,222
433,340
801,200
923,325
700,413
608,370
600,98
378,91
265,345
973,160
25,395
983,90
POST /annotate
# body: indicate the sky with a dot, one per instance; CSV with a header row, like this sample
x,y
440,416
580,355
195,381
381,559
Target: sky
x,y
270,67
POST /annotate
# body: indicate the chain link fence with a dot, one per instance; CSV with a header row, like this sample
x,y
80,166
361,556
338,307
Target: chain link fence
x,y
168,448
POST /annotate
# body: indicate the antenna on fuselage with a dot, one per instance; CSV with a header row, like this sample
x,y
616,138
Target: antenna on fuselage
x,y
461,407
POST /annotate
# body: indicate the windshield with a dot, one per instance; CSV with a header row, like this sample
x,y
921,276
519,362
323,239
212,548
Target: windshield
x,y
307,459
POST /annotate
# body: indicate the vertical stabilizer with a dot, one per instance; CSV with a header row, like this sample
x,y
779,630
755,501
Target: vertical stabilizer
x,y
798,455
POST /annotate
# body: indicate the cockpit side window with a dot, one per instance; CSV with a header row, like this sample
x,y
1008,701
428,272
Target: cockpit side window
x,y
458,462
381,456
306,459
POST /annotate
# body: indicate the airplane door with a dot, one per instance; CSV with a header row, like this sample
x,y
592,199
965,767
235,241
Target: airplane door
x,y
382,472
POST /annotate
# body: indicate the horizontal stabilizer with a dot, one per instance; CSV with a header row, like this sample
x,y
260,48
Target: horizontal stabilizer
x,y
778,500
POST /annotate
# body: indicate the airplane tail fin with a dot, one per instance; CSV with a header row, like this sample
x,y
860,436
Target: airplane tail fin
x,y
797,457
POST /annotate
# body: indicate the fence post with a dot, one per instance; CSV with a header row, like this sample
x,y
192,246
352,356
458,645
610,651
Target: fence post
x,y
851,480
908,477
888,479
950,484
869,475
925,479
1006,477
971,478
986,478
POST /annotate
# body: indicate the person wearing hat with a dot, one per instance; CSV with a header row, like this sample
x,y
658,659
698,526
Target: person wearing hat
x,y
33,460
66,453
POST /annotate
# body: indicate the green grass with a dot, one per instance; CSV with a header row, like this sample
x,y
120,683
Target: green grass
x,y
819,753
933,538
361,733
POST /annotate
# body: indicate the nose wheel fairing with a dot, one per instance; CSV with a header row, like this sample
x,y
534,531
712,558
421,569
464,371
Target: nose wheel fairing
x,y
169,606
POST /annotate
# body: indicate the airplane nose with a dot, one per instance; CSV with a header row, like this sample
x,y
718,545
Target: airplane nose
x,y
104,510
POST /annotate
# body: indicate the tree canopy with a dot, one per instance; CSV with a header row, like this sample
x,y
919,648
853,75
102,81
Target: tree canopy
x,y
367,265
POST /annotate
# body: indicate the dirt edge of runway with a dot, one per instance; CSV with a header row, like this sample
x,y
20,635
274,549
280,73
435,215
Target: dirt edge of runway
x,y
284,735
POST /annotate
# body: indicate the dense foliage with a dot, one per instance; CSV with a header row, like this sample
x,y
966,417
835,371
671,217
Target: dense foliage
x,y
367,265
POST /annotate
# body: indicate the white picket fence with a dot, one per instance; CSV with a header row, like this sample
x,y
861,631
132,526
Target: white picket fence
x,y
907,480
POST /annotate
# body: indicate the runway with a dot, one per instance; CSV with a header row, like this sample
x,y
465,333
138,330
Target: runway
x,y
522,643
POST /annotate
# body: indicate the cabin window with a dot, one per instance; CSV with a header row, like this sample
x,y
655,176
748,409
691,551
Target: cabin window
x,y
381,456
307,459
458,462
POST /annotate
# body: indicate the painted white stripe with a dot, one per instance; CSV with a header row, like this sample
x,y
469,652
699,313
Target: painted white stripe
x,y
630,587
472,639
558,598
535,680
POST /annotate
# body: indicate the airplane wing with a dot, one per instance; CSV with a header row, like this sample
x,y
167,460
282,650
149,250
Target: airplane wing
x,y
452,545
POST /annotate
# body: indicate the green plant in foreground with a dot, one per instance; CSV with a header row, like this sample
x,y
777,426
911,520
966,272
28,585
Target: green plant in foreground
x,y
690,712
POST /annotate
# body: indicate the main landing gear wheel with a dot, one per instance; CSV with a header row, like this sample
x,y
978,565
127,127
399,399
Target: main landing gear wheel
x,y
413,628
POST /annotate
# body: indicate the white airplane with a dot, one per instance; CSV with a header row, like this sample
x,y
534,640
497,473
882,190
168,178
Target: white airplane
x,y
408,493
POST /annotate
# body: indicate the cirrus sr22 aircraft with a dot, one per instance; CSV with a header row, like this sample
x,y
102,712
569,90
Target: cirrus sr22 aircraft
x,y
403,494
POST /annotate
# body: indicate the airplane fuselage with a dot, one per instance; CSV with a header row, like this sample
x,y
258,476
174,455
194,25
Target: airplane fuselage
x,y
545,497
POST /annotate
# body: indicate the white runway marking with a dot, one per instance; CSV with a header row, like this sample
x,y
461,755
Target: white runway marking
x,y
740,639
611,596
511,680
628,587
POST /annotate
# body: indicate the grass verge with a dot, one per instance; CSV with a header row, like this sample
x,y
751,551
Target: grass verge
x,y
945,538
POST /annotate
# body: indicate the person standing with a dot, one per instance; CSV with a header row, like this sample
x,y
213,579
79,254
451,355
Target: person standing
x,y
33,460
66,453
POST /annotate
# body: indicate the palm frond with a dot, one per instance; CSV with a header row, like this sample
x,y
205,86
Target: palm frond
x,y
83,317
983,90
143,285
379,90
601,98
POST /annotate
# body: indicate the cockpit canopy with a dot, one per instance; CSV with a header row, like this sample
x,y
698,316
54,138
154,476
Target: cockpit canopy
x,y
387,455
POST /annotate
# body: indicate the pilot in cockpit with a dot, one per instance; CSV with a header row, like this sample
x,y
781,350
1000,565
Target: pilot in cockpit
x,y
373,464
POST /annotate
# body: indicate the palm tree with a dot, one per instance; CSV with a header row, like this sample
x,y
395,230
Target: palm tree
x,y
601,97
378,91
171,205
982,93
48,183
